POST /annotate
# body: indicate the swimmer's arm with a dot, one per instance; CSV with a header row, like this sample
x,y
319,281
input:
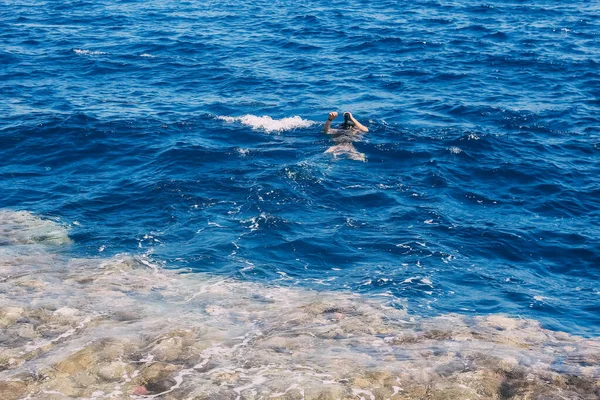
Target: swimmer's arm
x,y
358,125
332,115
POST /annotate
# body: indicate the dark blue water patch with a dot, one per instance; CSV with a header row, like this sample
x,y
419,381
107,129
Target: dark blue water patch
x,y
480,189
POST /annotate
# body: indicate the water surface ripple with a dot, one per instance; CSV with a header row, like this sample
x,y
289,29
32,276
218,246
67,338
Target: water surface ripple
x,y
137,124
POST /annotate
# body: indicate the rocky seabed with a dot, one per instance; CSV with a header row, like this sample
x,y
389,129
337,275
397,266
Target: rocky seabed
x,y
124,328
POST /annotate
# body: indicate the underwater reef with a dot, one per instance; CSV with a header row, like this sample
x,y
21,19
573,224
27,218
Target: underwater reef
x,y
125,328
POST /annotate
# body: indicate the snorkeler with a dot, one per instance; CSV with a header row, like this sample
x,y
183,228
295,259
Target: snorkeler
x,y
344,136
350,123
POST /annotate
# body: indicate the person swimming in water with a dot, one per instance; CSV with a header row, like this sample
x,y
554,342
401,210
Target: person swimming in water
x,y
350,123
343,136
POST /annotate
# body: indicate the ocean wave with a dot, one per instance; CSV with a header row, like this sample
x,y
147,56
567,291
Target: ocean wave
x,y
123,327
269,124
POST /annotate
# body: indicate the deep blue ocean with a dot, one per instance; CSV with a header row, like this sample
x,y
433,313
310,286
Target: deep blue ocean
x,y
191,131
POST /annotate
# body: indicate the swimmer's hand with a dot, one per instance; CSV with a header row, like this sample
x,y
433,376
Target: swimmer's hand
x,y
357,124
332,115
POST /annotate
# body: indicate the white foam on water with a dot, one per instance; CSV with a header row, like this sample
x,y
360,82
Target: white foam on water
x,y
269,124
85,52
243,152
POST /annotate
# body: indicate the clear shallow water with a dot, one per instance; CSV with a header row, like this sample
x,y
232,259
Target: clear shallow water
x,y
480,189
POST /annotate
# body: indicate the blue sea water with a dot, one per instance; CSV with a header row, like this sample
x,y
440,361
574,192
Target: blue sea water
x,y
191,131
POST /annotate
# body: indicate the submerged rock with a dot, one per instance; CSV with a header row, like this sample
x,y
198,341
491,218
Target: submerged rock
x,y
173,346
12,390
112,371
21,227
10,315
123,327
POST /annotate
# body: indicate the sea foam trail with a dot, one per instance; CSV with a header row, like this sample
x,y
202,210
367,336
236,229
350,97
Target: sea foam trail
x,y
122,328
269,124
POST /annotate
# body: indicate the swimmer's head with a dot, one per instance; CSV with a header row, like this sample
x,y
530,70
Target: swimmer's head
x,y
347,123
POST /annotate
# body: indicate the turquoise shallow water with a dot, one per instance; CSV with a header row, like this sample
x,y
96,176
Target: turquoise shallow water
x,y
190,132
